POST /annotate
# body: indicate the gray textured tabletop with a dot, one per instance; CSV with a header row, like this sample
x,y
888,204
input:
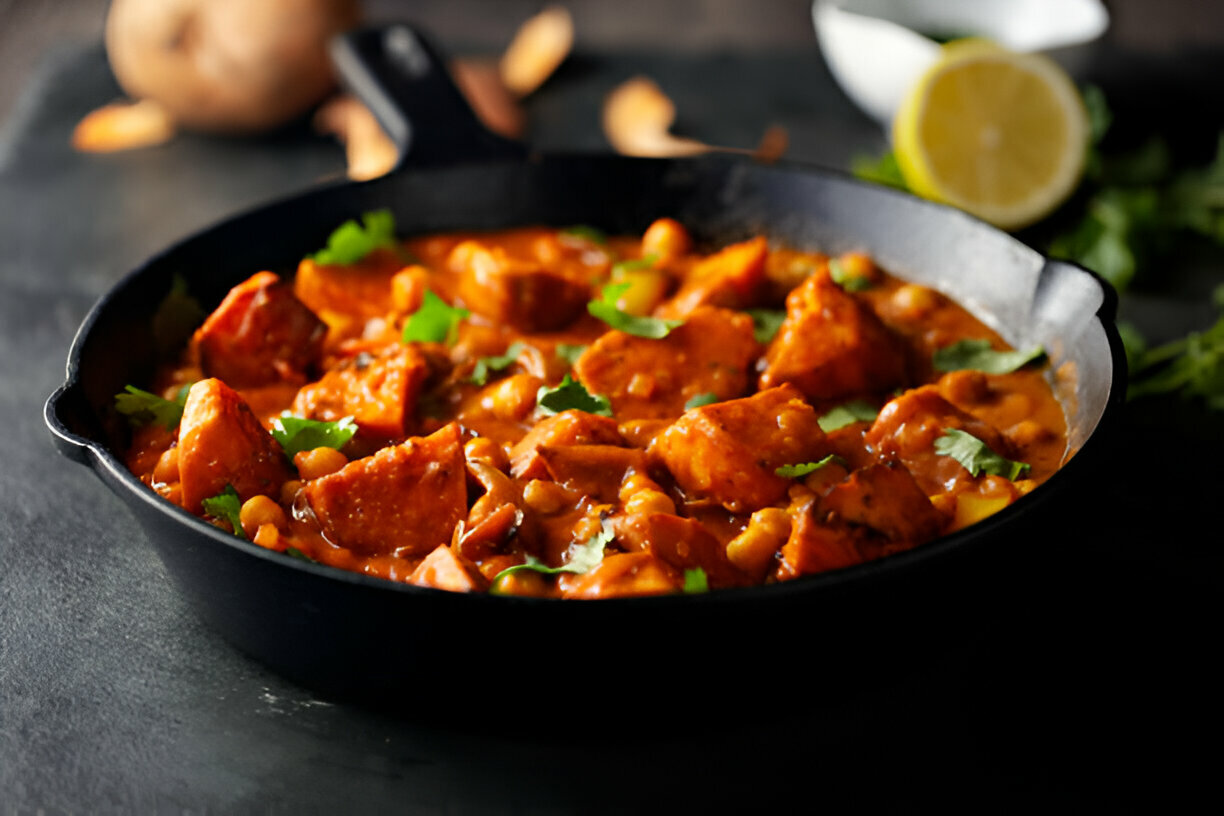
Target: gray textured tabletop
x,y
114,697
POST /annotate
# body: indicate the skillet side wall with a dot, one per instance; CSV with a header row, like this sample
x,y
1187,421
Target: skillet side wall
x,y
357,636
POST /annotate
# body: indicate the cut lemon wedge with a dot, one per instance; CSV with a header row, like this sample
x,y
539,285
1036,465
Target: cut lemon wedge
x,y
1000,134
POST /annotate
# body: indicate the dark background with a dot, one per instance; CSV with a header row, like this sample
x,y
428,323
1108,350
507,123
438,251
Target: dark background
x,y
1100,688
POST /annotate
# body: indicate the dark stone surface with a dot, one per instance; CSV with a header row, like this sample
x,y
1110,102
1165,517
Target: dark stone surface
x,y
115,698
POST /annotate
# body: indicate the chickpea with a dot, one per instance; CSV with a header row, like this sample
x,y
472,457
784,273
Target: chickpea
x,y
666,239
289,491
408,288
258,511
167,468
313,464
914,301
754,548
483,449
546,498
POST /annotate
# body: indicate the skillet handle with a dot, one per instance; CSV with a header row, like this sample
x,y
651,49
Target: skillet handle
x,y
61,413
403,80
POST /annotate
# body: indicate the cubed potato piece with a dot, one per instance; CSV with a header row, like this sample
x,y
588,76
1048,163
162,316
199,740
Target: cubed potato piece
x,y
442,569
379,392
906,430
403,500
888,500
832,346
356,291
645,378
522,293
260,334
733,277
814,547
729,451
623,575
681,542
221,442
565,428
592,470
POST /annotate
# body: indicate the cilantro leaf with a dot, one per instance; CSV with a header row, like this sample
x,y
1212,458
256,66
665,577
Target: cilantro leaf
x,y
979,356
708,398
630,264
297,434
586,233
605,309
435,322
976,456
845,279
294,552
846,414
571,394
583,558
569,352
143,407
226,506
480,374
695,581
350,242
765,323
804,468
1192,365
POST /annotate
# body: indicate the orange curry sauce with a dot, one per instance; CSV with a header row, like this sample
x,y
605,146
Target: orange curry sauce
x,y
689,480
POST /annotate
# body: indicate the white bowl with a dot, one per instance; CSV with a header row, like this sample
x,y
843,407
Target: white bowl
x,y
876,49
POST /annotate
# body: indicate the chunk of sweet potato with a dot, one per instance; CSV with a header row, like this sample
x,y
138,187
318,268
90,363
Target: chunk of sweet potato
x,y
623,575
645,378
403,500
888,500
566,428
523,293
356,291
732,277
442,569
814,547
592,470
729,451
681,542
221,442
831,346
379,392
261,333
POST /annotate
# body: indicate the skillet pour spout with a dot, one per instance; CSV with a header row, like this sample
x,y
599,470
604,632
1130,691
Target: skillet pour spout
x,y
377,640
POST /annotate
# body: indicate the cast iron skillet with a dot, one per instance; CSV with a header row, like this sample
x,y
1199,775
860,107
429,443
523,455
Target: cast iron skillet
x,y
384,642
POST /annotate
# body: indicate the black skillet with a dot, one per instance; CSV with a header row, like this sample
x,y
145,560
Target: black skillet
x,y
389,643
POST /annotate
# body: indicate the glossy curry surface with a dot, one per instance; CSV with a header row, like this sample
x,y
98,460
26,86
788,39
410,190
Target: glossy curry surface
x,y
560,413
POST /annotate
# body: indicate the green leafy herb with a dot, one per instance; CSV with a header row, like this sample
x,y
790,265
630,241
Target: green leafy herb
x,y
571,395
583,558
631,264
297,434
881,170
979,356
708,398
226,506
605,309
846,414
1192,366
177,316
435,322
695,581
804,468
976,456
843,278
294,552
765,323
569,352
350,242
480,374
587,233
143,407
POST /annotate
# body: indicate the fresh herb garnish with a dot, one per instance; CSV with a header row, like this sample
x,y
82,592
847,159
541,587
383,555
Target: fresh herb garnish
x,y
847,414
695,581
480,374
350,242
633,264
587,233
979,356
1192,365
296,434
294,552
605,309
583,558
804,468
435,322
882,170
765,323
143,407
226,506
569,352
846,279
976,456
708,398
571,395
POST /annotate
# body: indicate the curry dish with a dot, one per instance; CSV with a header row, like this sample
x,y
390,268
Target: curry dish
x,y
560,413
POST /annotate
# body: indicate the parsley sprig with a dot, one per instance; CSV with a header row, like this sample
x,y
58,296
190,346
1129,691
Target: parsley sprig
x,y
435,321
570,394
351,241
605,309
583,558
143,407
296,434
976,456
226,506
979,355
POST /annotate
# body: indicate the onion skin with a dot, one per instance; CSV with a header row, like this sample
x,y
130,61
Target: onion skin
x,y
227,66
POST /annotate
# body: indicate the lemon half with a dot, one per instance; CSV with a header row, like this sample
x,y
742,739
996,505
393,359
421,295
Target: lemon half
x,y
1000,134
